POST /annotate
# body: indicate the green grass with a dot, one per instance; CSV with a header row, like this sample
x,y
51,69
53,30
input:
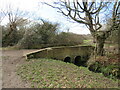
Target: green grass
x,y
88,42
48,73
9,48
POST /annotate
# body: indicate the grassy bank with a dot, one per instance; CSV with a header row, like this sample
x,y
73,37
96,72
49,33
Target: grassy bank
x,y
48,73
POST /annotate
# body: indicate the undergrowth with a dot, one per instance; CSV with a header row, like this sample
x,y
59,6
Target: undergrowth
x,y
108,65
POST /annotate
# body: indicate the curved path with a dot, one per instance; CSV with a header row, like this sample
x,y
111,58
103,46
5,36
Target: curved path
x,y
11,59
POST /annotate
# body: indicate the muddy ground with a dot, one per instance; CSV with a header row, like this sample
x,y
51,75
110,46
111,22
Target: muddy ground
x,y
11,59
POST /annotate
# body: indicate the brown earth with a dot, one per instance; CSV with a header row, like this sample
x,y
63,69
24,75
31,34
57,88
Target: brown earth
x,y
11,59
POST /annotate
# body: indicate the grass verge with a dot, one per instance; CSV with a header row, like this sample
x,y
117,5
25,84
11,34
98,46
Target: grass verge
x,y
48,73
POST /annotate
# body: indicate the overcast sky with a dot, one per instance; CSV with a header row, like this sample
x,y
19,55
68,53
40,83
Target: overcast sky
x,y
37,10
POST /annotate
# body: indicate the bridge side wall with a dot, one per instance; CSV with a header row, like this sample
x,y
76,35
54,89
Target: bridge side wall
x,y
60,53
71,52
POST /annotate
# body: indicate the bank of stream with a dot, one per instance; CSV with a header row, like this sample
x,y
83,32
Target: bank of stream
x,y
110,70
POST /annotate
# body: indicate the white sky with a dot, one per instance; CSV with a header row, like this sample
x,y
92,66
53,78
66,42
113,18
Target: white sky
x,y
37,10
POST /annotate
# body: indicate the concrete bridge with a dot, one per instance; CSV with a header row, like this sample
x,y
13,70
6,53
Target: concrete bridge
x,y
73,54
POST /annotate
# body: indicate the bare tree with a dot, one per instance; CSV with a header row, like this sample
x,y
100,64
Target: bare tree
x,y
88,13
15,18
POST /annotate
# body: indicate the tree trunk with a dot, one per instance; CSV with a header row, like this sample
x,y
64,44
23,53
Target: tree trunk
x,y
99,39
10,37
100,46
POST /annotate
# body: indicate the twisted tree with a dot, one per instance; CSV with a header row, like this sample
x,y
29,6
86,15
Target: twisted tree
x,y
88,13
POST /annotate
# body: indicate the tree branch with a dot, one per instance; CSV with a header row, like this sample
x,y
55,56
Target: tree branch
x,y
99,9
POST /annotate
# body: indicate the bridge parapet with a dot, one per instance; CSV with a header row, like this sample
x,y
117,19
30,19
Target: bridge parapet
x,y
61,53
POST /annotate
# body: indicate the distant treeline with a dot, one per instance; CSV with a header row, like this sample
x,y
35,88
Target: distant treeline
x,y
38,35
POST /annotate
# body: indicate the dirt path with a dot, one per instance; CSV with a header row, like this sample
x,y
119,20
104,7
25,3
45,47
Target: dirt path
x,y
11,59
